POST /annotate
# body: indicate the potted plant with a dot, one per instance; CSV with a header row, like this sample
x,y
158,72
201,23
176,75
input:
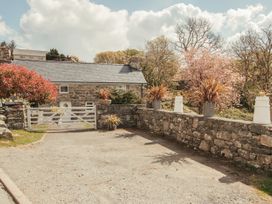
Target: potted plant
x,y
211,90
155,95
104,96
112,122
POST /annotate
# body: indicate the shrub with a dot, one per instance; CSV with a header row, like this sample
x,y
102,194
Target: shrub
x,y
104,94
20,83
156,93
122,97
112,122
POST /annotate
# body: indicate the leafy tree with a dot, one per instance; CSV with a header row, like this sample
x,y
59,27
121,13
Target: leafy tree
x,y
160,63
196,34
54,54
211,79
19,82
117,57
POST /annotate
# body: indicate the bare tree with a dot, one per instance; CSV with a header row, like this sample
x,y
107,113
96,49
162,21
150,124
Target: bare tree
x,y
253,51
196,33
12,46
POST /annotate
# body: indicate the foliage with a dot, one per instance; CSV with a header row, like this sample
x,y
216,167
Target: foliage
x,y
253,52
22,137
156,93
209,90
117,57
112,121
19,82
236,113
161,63
123,97
54,54
211,78
197,34
104,94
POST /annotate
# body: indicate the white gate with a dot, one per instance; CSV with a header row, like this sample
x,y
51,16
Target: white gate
x,y
62,117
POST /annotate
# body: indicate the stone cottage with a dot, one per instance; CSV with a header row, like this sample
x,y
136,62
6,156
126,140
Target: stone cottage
x,y
79,83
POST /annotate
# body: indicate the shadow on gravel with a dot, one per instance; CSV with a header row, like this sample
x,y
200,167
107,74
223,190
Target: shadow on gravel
x,y
232,172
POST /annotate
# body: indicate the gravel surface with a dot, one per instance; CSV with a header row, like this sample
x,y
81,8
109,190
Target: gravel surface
x,y
4,196
121,167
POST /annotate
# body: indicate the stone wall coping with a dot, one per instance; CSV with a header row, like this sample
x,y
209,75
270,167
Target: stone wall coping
x,y
12,103
194,115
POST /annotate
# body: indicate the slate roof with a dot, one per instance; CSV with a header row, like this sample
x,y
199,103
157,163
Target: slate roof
x,y
84,72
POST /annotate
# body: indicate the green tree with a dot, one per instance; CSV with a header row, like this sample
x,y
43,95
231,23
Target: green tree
x,y
117,57
160,62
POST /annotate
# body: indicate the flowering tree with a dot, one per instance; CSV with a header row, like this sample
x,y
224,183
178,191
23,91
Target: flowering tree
x,y
17,81
211,79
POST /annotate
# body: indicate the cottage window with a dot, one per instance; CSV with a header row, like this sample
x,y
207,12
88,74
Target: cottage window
x,y
64,89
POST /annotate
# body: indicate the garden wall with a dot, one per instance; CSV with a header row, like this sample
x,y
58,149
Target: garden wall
x,y
14,113
127,113
243,142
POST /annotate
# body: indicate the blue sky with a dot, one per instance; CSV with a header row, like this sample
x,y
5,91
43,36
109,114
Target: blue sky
x,y
84,27
11,10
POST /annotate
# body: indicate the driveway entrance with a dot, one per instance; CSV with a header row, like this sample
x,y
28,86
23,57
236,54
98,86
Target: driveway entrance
x,y
122,166
63,117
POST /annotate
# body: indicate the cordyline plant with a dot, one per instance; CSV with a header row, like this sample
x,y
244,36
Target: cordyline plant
x,y
19,82
104,94
211,79
156,93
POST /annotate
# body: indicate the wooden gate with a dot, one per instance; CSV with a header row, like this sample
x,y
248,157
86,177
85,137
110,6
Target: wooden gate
x,y
61,118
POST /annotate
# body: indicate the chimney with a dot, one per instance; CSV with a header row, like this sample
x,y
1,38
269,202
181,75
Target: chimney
x,y
5,55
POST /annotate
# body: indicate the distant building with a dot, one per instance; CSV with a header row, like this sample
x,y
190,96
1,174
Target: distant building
x,y
32,55
5,55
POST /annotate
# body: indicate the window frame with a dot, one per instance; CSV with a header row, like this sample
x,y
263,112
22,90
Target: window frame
x,y
63,85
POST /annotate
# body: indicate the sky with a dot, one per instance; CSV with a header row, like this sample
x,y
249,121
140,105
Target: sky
x,y
85,27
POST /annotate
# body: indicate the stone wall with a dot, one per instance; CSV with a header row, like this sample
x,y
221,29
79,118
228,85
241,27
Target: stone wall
x,y
79,94
243,142
127,113
15,114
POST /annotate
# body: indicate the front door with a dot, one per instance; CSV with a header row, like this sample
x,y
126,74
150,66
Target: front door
x,y
66,111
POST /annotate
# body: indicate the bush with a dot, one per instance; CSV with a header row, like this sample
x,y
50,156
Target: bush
x,y
20,83
122,97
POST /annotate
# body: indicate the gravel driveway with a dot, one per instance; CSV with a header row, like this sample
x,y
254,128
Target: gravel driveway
x,y
121,167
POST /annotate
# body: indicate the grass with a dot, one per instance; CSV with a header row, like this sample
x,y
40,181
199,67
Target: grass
x,y
22,137
235,113
264,184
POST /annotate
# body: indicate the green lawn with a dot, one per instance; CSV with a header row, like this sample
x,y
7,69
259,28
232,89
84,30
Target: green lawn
x,y
264,184
22,137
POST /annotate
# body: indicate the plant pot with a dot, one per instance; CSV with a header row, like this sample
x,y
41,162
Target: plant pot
x,y
208,109
156,104
112,127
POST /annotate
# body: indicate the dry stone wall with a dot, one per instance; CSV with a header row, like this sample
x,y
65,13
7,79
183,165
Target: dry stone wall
x,y
127,113
14,113
243,142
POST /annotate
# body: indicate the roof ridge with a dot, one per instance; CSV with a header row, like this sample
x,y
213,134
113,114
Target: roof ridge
x,y
69,62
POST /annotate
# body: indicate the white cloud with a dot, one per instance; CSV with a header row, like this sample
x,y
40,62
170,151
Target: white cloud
x,y
83,28
74,27
4,29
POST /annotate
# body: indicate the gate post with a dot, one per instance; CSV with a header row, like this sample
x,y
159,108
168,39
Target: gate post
x,y
28,118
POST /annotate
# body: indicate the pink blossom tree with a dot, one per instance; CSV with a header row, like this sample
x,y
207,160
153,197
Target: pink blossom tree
x,y
211,79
